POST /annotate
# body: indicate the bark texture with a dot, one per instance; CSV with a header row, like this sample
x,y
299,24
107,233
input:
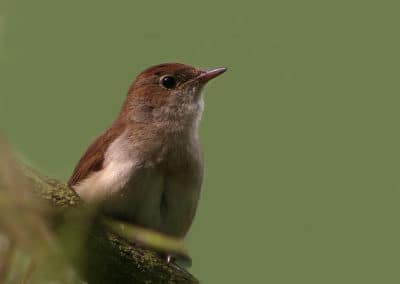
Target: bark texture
x,y
103,256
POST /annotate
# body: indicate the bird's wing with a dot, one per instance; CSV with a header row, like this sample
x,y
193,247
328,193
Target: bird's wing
x,y
92,160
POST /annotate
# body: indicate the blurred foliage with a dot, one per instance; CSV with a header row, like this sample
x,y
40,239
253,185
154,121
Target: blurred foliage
x,y
150,239
28,248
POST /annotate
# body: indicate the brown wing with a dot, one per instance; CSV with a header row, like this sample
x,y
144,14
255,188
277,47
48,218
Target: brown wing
x,y
92,160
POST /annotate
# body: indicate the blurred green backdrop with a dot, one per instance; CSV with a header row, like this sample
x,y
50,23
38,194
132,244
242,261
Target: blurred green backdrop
x,y
301,136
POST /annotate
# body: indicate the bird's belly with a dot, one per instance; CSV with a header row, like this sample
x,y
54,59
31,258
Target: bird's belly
x,y
160,201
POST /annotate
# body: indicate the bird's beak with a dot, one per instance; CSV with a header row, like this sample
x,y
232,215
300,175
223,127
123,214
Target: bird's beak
x,y
206,76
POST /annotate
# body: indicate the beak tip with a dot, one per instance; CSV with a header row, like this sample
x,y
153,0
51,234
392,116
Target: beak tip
x,y
211,74
220,70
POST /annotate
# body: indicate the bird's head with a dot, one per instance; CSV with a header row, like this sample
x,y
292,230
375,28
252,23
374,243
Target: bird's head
x,y
168,92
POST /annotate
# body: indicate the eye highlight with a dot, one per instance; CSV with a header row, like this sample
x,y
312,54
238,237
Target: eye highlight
x,y
168,82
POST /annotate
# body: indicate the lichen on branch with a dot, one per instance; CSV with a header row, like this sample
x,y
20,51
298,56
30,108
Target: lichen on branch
x,y
47,234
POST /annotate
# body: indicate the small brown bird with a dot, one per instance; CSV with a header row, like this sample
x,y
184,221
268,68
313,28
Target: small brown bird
x,y
147,168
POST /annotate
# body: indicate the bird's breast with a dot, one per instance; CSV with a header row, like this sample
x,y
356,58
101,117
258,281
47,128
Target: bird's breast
x,y
160,192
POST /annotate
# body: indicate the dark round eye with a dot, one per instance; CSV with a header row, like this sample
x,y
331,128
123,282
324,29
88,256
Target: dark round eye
x,y
168,82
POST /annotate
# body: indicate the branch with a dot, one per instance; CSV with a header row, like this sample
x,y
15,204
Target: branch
x,y
101,256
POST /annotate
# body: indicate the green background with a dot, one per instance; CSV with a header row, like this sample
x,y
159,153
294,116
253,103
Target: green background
x,y
301,136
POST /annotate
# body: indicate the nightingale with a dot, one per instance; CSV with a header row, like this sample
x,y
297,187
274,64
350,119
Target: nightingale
x,y
147,167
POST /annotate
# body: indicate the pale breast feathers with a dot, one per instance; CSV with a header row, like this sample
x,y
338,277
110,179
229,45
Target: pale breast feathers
x,y
93,162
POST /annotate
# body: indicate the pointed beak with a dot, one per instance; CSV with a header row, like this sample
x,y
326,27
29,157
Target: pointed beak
x,y
206,76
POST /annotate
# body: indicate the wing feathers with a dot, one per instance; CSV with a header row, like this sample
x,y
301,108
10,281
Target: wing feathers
x,y
92,160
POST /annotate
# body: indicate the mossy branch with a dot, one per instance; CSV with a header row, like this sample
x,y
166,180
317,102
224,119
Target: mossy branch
x,y
96,254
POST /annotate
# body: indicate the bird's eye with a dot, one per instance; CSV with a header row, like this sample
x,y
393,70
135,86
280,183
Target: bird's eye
x,y
168,82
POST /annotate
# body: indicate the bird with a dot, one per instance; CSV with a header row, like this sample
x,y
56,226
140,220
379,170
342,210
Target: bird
x,y
147,167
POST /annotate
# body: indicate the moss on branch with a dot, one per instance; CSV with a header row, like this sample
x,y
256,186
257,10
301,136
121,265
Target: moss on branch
x,y
96,254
